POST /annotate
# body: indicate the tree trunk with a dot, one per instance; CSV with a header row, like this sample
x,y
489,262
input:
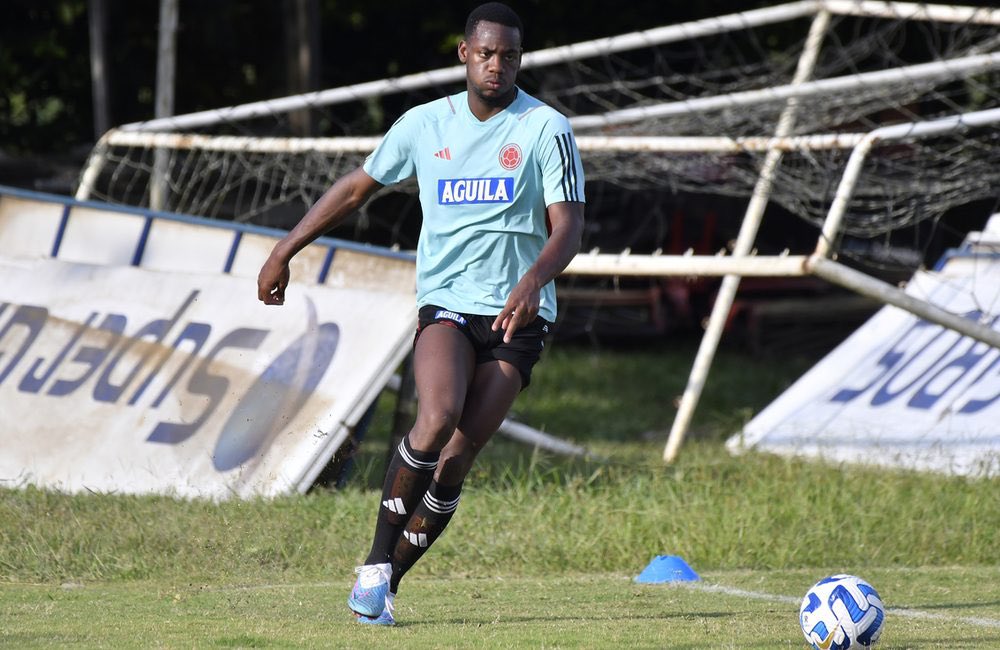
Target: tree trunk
x,y
302,41
166,65
98,14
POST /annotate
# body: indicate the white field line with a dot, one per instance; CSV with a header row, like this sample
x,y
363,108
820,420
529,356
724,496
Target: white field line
x,y
894,611
978,621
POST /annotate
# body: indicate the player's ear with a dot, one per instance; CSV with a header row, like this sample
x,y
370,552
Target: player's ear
x,y
463,51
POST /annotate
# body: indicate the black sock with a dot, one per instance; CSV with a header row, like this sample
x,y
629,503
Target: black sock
x,y
406,481
427,523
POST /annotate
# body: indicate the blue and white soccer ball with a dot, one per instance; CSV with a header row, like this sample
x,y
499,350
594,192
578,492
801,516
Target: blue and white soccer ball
x,y
840,612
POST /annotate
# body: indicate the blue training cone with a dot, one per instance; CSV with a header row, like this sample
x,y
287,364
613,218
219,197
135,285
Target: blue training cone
x,y
667,568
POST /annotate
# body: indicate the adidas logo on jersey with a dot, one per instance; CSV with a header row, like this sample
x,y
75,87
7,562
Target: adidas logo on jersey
x,y
453,191
444,154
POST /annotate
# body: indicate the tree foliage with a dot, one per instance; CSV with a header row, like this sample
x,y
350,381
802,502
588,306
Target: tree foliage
x,y
233,52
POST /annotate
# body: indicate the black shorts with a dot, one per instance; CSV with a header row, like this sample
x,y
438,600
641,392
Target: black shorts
x,y
522,352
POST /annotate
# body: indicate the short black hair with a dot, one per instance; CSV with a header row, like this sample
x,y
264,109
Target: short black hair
x,y
493,12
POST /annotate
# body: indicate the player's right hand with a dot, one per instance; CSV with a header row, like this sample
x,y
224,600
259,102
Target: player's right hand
x,y
272,281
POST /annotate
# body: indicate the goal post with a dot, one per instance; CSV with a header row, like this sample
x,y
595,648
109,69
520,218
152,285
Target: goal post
x,y
749,227
820,265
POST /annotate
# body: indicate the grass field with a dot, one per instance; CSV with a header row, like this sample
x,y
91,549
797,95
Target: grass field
x,y
757,609
543,551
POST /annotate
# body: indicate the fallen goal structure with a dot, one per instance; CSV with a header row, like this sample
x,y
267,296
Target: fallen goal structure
x,y
861,118
903,392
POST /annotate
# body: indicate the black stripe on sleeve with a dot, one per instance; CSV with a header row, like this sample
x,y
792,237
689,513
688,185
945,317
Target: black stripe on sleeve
x,y
562,158
572,177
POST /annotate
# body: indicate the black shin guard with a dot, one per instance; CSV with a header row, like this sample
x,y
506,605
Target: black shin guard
x,y
427,523
406,481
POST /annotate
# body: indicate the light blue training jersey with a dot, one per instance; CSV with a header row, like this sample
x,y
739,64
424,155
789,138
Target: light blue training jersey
x,y
484,188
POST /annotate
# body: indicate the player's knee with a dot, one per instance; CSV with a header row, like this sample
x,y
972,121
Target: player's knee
x,y
434,425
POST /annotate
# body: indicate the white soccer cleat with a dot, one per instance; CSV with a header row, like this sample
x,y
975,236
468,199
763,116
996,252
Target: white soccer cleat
x,y
385,618
370,595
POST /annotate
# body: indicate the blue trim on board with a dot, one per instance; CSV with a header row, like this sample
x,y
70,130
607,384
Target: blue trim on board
x,y
327,262
71,203
63,222
140,248
231,258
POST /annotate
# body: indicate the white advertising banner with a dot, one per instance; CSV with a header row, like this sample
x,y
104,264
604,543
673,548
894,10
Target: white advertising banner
x,y
130,380
901,391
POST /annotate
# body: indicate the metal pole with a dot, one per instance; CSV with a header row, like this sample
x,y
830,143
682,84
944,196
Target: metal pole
x,y
768,266
92,170
743,246
914,11
366,144
867,286
945,69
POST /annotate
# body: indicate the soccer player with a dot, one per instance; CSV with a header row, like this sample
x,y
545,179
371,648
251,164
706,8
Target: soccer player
x,y
501,191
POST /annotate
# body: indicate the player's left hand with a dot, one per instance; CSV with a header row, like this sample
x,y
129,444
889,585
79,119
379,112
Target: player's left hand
x,y
272,281
521,308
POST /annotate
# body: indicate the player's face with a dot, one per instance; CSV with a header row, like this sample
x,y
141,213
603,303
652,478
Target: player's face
x,y
492,57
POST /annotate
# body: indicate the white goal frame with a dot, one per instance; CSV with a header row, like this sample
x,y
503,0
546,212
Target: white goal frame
x,y
742,261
